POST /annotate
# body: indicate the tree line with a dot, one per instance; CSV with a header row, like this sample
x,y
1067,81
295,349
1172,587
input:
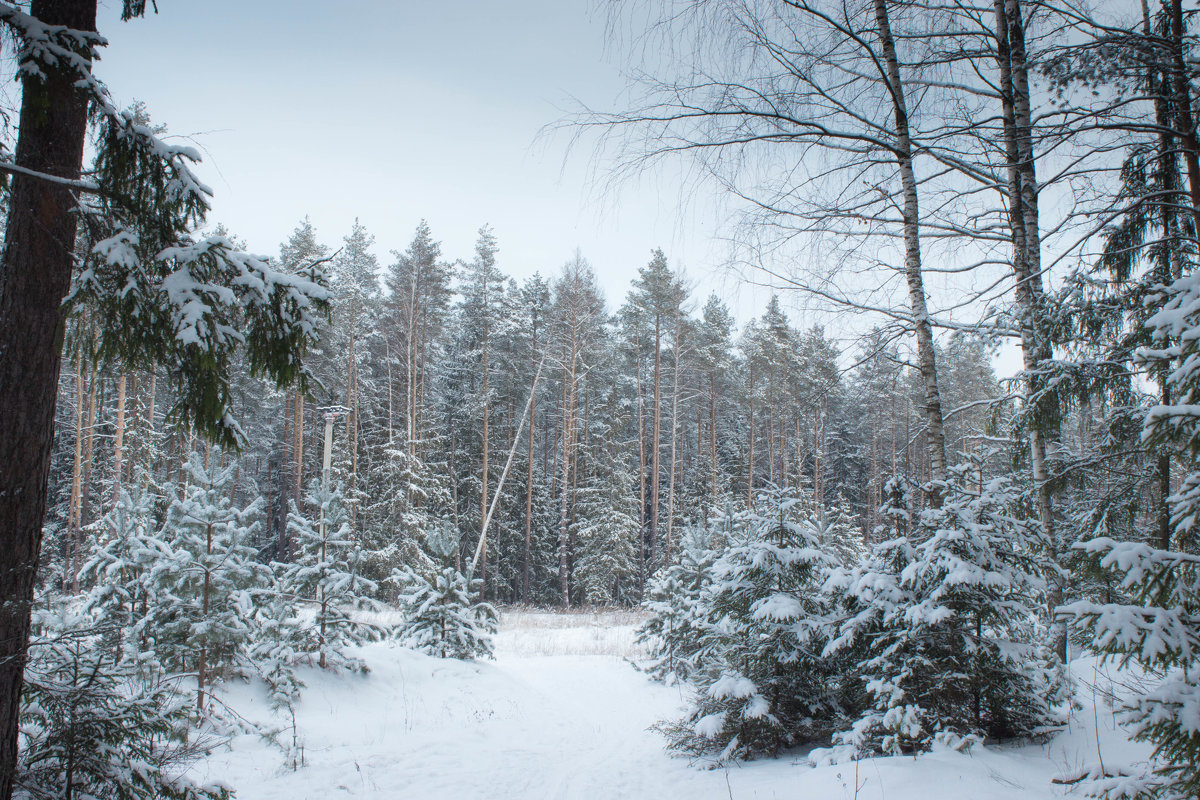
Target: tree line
x,y
612,428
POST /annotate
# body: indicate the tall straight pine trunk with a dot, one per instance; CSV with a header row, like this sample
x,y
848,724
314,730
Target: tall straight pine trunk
x,y
35,274
655,439
527,555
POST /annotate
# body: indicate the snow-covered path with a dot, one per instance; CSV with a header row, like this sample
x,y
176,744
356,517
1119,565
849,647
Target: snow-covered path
x,y
560,714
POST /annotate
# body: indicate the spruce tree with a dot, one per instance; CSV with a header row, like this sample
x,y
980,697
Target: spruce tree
x,y
765,684
942,622
677,629
605,528
441,616
1152,620
327,577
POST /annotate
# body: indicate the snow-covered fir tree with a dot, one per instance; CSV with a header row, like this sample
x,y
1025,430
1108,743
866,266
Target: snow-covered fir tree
x,y
942,623
677,629
327,578
442,617
605,527
407,497
764,683
1150,619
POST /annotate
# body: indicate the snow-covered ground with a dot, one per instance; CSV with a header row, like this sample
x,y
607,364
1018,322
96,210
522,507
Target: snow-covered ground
x,y
561,714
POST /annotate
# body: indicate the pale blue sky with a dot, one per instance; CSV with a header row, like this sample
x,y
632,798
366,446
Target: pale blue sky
x,y
394,111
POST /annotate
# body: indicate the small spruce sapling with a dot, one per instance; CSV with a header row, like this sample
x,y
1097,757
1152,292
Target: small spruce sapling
x,y
327,576
94,726
943,623
677,630
440,616
763,683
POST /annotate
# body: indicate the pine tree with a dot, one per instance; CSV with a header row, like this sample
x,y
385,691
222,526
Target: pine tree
x,y
715,360
657,297
419,297
160,294
93,725
274,653
440,616
120,575
202,623
355,320
326,575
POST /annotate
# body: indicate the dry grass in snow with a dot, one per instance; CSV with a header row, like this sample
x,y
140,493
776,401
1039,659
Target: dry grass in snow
x,y
603,632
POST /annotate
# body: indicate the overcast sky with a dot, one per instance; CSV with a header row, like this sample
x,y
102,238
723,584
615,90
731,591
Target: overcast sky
x,y
396,111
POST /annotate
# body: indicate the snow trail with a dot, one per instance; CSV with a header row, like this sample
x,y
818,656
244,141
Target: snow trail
x,y
561,715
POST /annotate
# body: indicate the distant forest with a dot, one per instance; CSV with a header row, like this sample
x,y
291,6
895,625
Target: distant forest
x,y
645,418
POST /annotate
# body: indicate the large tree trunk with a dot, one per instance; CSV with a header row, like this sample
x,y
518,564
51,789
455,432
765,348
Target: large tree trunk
x,y
674,441
1026,258
712,432
643,566
934,435
1181,95
1158,86
565,500
35,274
750,459
529,476
298,448
75,515
352,412
483,471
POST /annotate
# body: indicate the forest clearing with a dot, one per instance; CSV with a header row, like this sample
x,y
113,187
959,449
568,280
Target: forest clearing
x,y
561,713
867,408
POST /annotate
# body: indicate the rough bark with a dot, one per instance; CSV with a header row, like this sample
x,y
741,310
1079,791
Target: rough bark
x,y
35,274
1026,258
1181,95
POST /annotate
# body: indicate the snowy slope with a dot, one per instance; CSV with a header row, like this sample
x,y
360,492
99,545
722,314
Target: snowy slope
x,y
560,714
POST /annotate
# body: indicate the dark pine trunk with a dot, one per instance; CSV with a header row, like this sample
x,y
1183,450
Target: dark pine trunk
x,y
35,274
